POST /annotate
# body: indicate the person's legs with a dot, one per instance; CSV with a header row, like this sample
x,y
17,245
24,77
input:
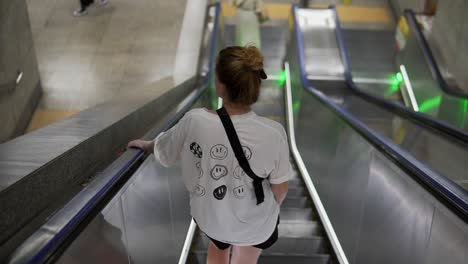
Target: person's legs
x,y
85,3
216,255
245,255
83,6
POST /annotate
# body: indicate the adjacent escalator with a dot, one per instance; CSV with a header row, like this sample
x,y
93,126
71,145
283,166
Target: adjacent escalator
x,y
439,148
395,63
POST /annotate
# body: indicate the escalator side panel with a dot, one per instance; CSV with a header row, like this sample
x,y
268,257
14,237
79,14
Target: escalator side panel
x,y
439,152
431,98
153,205
380,214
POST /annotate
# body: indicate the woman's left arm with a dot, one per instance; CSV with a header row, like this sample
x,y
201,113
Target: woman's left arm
x,y
280,191
146,146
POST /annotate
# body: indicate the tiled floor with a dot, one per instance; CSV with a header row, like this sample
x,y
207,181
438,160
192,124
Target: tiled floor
x,y
85,61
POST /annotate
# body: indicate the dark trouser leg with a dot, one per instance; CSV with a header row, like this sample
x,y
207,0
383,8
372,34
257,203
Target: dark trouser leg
x,y
85,4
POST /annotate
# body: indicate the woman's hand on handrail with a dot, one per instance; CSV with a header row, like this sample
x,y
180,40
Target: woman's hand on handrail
x,y
146,146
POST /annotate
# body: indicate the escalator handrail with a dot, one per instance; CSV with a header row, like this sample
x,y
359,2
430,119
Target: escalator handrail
x,y
428,121
47,249
427,51
452,193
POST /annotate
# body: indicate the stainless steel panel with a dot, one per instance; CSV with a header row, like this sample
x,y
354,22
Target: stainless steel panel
x,y
449,239
148,219
396,222
103,241
152,214
346,205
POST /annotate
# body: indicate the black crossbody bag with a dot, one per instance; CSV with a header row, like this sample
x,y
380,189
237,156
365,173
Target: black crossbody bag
x,y
239,153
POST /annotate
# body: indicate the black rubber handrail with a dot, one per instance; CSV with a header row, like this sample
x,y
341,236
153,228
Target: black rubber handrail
x,y
449,191
426,50
425,120
46,250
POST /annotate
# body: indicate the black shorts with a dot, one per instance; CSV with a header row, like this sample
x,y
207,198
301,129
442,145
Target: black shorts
x,y
268,243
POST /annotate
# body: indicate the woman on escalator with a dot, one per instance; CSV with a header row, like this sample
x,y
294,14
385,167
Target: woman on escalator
x,y
235,164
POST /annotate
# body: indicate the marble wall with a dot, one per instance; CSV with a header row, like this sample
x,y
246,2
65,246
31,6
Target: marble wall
x,y
17,55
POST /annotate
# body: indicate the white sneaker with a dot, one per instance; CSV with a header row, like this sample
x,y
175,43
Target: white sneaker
x,y
103,2
80,12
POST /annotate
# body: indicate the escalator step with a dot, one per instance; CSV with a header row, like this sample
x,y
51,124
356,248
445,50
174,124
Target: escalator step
x,y
285,245
288,213
298,228
294,259
299,246
295,195
296,191
294,182
300,202
200,258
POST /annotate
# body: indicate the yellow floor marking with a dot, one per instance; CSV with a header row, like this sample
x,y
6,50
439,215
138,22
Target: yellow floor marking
x,y
278,10
363,14
228,10
346,13
359,14
275,10
44,117
318,5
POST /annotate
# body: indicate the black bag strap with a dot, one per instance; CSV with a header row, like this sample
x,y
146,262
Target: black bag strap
x,y
239,153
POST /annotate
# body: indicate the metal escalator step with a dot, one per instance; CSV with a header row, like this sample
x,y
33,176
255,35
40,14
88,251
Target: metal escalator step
x,y
296,191
288,213
295,195
298,246
298,228
294,259
293,182
285,245
200,258
299,202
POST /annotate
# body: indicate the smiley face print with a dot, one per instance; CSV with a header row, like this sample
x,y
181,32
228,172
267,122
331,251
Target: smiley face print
x,y
196,150
219,152
239,173
239,192
198,191
220,192
218,171
199,169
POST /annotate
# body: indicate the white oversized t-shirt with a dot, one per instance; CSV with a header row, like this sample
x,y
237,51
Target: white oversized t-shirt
x,y
222,198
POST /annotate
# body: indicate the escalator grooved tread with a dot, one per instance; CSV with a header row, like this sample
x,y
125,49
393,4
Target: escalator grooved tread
x,y
200,257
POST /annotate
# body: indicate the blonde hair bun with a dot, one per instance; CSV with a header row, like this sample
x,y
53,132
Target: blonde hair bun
x,y
253,58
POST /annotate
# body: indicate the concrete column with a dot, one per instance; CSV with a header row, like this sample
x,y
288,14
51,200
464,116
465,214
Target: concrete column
x,y
450,29
17,57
